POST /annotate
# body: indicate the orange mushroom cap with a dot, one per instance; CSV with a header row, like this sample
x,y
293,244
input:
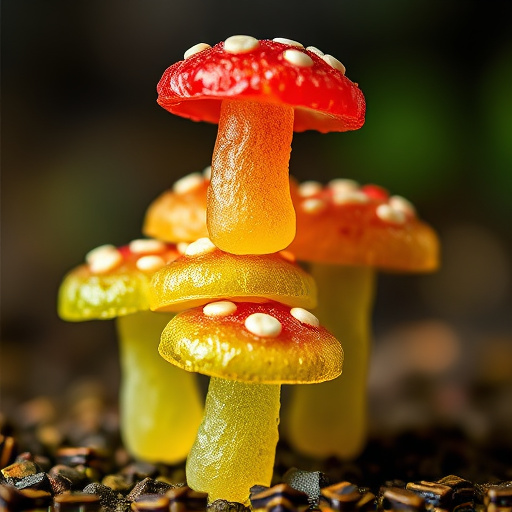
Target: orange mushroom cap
x,y
243,68
114,281
205,273
266,343
345,224
179,214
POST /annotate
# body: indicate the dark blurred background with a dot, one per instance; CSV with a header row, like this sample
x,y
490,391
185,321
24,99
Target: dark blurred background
x,y
85,149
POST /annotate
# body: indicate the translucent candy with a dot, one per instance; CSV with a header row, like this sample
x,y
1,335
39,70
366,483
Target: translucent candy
x,y
249,206
330,419
194,280
86,295
160,404
224,347
235,445
178,217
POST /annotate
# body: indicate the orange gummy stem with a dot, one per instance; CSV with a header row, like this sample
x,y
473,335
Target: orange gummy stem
x,y
250,210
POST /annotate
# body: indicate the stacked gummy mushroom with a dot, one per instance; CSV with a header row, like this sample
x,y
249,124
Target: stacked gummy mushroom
x,y
247,326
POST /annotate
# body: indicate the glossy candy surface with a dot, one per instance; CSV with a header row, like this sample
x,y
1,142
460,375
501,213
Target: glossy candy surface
x,y
323,97
179,214
118,287
194,280
345,224
224,346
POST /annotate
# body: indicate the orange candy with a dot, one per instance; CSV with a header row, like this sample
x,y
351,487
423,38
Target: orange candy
x,y
206,273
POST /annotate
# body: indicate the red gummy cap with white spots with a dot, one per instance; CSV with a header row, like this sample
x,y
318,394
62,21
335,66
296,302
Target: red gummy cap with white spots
x,y
280,71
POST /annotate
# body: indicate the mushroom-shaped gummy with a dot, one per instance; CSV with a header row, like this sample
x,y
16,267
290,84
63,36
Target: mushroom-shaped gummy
x,y
346,232
160,406
258,92
178,215
248,350
205,273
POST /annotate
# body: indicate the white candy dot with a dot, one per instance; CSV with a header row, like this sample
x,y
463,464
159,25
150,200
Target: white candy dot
x,y
188,183
315,50
402,204
387,213
240,44
150,263
309,188
298,58
103,259
313,205
142,246
220,308
291,42
305,317
199,247
334,63
182,247
263,325
207,173
349,196
199,47
343,185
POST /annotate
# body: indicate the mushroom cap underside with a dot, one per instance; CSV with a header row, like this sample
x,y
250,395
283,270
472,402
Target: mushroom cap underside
x,y
340,223
114,282
191,281
324,99
224,347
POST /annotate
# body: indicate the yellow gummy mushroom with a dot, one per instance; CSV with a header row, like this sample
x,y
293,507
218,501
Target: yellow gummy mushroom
x,y
160,405
249,350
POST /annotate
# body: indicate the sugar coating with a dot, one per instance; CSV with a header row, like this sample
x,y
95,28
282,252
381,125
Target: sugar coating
x,y
150,263
298,58
309,188
199,47
200,246
263,325
220,308
387,213
334,63
313,205
104,259
402,204
149,245
315,50
305,317
240,44
188,183
291,42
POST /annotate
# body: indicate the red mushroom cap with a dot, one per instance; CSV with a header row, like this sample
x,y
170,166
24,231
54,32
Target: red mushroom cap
x,y
323,97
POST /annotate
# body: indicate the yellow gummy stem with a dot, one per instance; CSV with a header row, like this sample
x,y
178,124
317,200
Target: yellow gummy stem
x,y
331,418
250,210
160,404
235,445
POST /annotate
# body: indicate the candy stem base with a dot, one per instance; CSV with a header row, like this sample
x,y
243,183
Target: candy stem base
x,y
235,445
160,404
330,419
